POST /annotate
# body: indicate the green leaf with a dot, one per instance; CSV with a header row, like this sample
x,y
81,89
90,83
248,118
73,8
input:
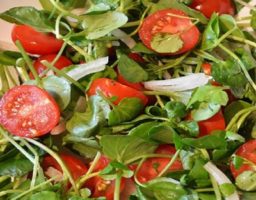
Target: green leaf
x,y
102,6
131,70
253,19
29,16
227,189
123,148
205,111
142,130
49,195
211,33
155,111
175,109
126,110
88,123
114,167
162,133
166,43
97,26
141,48
188,127
227,22
15,167
9,57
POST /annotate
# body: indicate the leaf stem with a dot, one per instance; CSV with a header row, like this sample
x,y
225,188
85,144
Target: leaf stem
x,y
117,185
239,39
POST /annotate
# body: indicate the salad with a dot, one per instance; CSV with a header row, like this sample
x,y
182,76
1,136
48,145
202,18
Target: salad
x,y
129,99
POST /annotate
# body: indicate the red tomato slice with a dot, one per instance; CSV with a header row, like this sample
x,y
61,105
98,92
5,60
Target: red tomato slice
x,y
35,42
76,167
247,151
28,111
207,7
207,68
61,63
111,88
153,166
163,21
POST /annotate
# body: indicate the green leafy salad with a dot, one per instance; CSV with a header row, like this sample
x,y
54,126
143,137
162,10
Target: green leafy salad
x,y
129,100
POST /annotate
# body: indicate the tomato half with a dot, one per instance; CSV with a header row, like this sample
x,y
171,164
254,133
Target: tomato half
x,y
247,151
207,7
76,167
153,166
28,111
111,88
35,42
164,21
61,63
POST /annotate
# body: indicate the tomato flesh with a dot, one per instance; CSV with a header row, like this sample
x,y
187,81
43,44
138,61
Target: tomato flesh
x,y
164,21
111,88
208,7
247,151
28,111
153,166
35,42
61,63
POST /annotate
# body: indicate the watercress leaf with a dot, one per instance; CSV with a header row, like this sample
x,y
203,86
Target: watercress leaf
x,y
66,4
123,148
49,195
15,167
205,111
216,140
246,57
97,26
155,111
131,70
211,33
87,123
102,6
166,43
141,48
203,196
110,172
162,133
29,16
227,189
175,109
142,130
9,57
253,19
210,94
237,161
227,22
126,110
188,127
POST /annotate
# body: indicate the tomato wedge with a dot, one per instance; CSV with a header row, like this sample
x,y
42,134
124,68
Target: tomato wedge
x,y
247,151
207,7
171,21
111,88
153,166
35,42
28,111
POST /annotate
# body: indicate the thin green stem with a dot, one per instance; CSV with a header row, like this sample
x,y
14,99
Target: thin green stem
x,y
247,75
100,93
21,68
216,188
162,93
11,191
205,55
159,101
131,24
117,185
201,190
239,39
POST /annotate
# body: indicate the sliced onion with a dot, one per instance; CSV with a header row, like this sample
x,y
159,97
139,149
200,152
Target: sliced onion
x,y
54,173
178,84
88,68
220,178
124,37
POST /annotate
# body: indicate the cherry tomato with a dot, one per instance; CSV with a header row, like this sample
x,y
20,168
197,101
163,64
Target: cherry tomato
x,y
138,86
207,68
247,151
35,42
164,21
207,7
28,111
61,63
216,122
111,88
153,166
76,167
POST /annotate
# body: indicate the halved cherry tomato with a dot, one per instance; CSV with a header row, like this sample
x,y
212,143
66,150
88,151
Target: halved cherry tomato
x,y
28,111
35,42
164,21
216,122
247,151
76,167
207,7
111,88
61,63
153,166
207,68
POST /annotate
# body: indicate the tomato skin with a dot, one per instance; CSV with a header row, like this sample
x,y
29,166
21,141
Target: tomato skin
x,y
207,7
153,166
35,42
162,22
207,68
61,63
247,151
111,88
28,111
76,167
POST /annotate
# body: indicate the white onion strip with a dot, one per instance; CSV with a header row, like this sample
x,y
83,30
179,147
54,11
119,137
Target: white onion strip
x,y
124,37
220,178
178,84
88,68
